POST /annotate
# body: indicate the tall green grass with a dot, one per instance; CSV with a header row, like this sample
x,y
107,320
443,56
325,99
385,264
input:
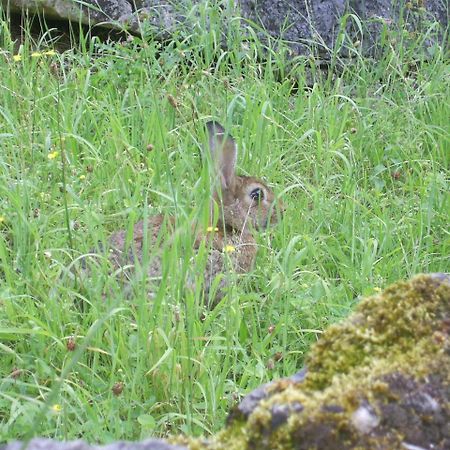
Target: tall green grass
x,y
98,137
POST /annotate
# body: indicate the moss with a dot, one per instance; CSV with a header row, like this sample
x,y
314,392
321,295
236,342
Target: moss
x,y
395,327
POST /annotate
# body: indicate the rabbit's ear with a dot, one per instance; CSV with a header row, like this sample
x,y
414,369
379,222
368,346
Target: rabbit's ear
x,y
223,153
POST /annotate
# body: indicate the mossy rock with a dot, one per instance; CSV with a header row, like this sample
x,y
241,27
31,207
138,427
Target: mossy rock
x,y
378,380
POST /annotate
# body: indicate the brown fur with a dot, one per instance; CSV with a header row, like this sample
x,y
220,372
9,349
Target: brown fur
x,y
239,216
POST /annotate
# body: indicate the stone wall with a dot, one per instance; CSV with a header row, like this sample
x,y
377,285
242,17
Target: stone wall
x,y
306,24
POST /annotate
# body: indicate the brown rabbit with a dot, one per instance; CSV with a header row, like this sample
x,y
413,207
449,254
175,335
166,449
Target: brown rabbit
x,y
244,204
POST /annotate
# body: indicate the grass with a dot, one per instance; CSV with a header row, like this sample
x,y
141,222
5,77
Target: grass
x,y
95,138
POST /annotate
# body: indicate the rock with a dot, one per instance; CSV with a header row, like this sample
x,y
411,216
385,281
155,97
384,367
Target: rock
x,y
309,26
252,400
88,11
314,25
48,444
379,380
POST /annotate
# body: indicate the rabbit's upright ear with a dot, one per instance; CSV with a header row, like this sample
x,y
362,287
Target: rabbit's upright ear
x,y
223,153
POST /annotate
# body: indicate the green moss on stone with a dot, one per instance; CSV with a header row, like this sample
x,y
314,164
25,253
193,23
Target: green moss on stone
x,y
393,329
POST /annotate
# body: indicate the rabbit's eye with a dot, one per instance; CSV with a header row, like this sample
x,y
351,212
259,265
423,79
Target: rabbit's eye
x,y
257,194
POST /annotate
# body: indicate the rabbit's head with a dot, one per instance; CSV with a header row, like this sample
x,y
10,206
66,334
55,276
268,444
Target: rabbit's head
x,y
243,201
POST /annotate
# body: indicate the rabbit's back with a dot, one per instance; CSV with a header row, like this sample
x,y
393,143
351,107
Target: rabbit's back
x,y
226,251
125,252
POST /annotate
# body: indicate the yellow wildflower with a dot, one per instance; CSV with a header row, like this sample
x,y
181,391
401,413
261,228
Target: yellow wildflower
x,y
211,229
49,53
2,219
229,248
52,155
36,55
56,408
82,177
17,58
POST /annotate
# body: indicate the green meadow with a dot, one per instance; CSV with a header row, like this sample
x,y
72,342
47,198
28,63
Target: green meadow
x,y
102,135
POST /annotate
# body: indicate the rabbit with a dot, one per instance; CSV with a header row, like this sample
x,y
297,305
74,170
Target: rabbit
x,y
244,203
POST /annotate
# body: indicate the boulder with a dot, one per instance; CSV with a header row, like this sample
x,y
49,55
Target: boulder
x,y
379,380
306,25
315,24
92,12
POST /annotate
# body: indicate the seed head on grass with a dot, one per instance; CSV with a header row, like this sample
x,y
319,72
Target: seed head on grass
x,y
173,101
278,356
117,389
71,344
16,373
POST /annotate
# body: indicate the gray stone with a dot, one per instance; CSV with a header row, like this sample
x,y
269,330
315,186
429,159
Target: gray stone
x,y
48,444
252,400
308,25
357,392
314,24
303,23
